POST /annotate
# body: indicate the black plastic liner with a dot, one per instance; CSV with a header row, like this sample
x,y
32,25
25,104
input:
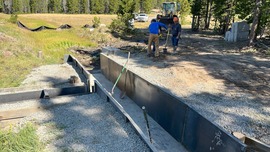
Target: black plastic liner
x,y
21,25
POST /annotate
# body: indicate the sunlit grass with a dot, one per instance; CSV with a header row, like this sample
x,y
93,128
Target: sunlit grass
x,y
19,47
25,139
75,20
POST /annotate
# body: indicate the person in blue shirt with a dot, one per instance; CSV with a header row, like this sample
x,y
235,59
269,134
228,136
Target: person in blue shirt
x,y
153,37
176,32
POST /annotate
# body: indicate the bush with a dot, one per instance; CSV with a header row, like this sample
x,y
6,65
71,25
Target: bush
x,y
13,18
117,25
122,24
96,22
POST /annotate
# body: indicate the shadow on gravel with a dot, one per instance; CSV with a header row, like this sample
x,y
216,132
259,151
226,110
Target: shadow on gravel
x,y
88,123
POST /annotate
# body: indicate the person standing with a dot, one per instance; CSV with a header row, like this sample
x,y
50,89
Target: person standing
x,y
176,32
153,37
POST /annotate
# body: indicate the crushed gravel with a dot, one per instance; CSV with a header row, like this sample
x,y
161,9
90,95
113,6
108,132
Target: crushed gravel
x,y
84,123
49,76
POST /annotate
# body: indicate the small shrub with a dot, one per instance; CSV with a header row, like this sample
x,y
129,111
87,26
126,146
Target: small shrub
x,y
117,25
13,18
96,22
123,24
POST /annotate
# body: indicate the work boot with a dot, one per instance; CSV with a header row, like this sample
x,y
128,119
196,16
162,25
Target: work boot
x,y
156,58
149,55
174,48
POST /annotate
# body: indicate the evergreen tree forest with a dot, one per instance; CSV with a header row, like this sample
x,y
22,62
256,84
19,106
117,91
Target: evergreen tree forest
x,y
217,14
73,6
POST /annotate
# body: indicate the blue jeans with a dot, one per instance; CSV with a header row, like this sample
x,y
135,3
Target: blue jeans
x,y
175,41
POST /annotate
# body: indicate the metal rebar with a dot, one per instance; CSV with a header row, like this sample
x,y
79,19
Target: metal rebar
x,y
147,123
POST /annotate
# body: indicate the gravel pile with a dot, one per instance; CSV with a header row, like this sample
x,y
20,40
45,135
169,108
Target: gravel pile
x,y
84,123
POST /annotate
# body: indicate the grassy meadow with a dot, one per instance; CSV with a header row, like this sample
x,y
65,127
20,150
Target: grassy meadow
x,y
19,47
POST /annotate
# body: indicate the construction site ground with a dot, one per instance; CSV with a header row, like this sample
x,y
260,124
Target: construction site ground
x,y
228,83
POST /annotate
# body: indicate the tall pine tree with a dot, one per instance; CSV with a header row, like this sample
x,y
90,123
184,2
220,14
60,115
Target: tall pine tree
x,y
33,6
98,6
16,6
113,6
125,11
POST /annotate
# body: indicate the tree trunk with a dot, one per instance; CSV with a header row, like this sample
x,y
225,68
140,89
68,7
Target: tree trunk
x,y
254,23
210,15
193,22
198,22
228,17
206,15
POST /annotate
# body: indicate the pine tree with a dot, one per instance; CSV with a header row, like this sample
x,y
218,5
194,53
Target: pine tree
x,y
51,5
106,6
33,6
72,6
25,6
42,6
185,9
16,6
196,9
137,5
1,6
146,6
125,11
245,9
83,6
98,6
113,6
255,22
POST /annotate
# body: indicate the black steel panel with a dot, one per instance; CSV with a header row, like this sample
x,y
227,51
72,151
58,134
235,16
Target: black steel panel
x,y
78,67
104,66
99,91
5,98
12,97
182,122
165,109
66,91
202,135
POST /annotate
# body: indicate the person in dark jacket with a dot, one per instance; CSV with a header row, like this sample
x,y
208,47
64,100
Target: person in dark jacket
x,y
153,37
176,32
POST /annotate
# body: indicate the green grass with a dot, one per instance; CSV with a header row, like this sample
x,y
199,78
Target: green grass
x,y
19,47
25,139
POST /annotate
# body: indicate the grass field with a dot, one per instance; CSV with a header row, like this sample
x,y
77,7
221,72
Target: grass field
x,y
19,47
20,139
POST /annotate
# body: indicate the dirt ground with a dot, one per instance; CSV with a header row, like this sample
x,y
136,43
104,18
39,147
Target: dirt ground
x,y
205,58
226,82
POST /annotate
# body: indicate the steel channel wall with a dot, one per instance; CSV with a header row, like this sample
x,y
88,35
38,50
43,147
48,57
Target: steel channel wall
x,y
182,122
52,92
